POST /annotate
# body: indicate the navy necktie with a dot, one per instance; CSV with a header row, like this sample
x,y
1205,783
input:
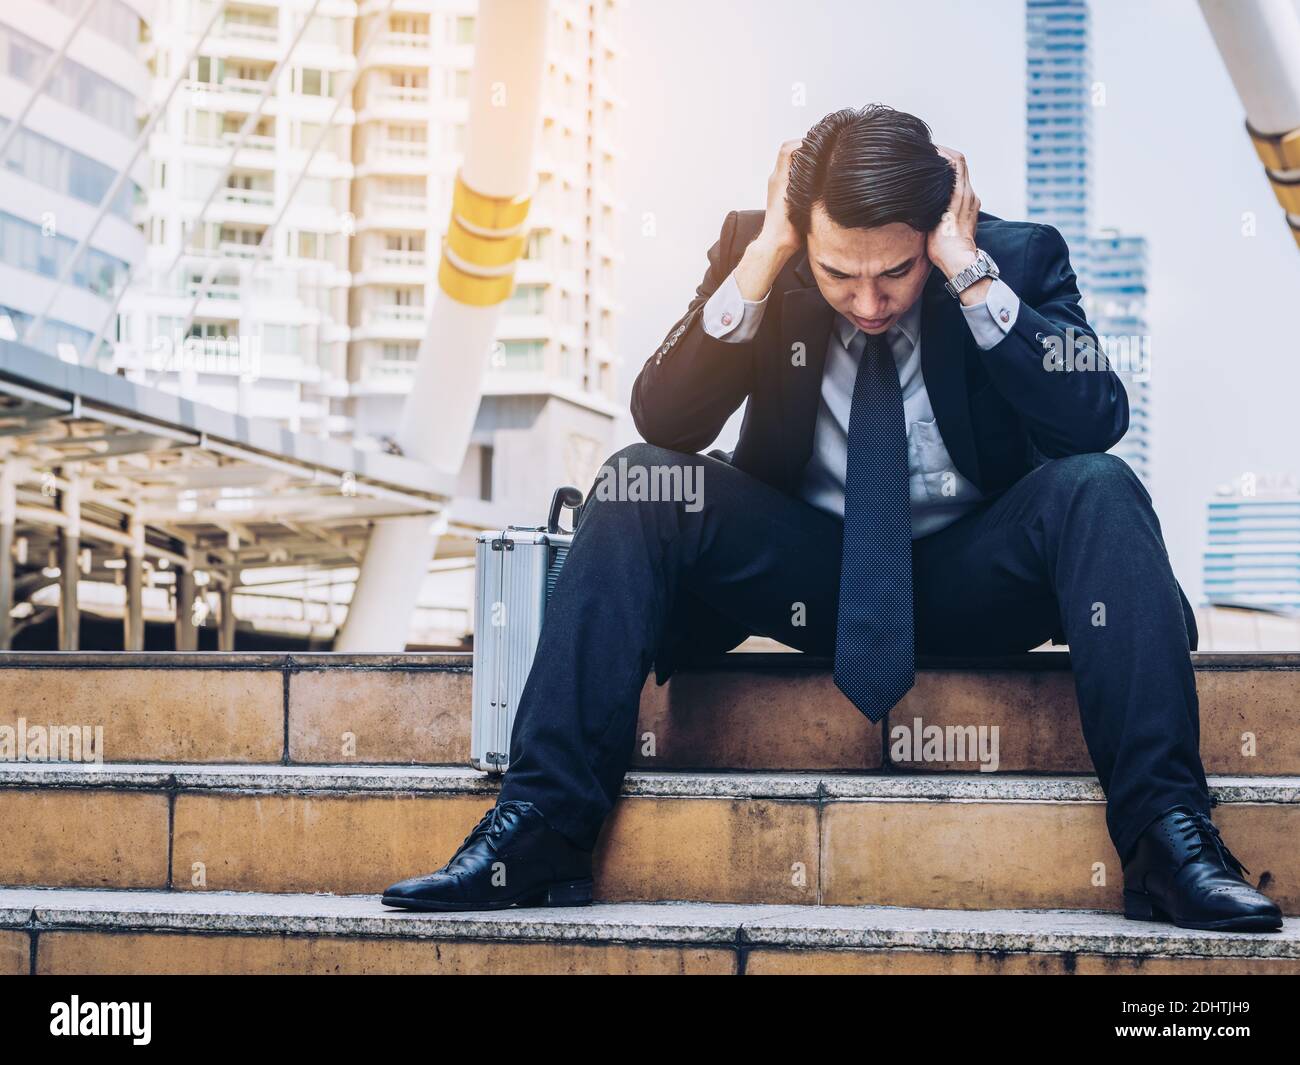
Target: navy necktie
x,y
875,658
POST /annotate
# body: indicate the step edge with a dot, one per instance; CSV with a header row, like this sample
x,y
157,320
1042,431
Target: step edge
x,y
685,784
688,923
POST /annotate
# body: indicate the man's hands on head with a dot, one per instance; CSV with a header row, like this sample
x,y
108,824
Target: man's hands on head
x,y
951,244
778,241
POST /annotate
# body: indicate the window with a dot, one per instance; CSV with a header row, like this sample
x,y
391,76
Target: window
x,y
486,457
72,84
527,299
522,354
313,82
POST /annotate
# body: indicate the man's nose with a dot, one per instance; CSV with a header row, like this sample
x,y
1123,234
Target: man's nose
x,y
867,304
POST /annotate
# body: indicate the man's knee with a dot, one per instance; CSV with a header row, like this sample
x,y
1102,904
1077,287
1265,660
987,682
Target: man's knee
x,y
1096,474
647,475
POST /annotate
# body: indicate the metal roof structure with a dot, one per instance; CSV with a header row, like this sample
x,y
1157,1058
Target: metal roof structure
x,y
190,485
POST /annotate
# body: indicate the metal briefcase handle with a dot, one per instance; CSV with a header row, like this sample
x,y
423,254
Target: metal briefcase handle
x,y
565,496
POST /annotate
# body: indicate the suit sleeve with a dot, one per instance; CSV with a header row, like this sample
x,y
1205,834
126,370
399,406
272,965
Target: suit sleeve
x,y
694,382
1067,412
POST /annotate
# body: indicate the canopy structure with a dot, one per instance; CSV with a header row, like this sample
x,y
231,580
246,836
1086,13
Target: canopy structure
x,y
107,480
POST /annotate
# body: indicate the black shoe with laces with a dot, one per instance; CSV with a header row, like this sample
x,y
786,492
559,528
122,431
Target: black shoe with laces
x,y
1181,871
511,858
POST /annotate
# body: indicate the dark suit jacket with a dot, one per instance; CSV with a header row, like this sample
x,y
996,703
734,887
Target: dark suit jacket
x,y
999,411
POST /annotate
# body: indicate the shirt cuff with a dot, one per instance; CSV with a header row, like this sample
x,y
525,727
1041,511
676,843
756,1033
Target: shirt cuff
x,y
991,320
729,316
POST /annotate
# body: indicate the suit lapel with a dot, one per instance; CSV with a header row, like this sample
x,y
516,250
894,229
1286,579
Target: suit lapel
x,y
806,318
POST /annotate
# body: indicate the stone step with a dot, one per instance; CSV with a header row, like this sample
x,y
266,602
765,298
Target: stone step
x,y
960,841
126,932
740,712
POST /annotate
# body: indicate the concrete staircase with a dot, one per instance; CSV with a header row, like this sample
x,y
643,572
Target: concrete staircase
x,y
249,807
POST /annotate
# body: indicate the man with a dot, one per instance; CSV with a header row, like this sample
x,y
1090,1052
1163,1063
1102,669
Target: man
x,y
921,466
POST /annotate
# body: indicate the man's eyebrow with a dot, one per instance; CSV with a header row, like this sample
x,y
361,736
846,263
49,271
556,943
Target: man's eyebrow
x,y
905,264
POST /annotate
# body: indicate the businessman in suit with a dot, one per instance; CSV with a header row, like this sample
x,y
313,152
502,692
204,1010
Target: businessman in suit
x,y
921,467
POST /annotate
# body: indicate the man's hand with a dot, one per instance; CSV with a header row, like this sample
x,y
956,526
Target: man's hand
x,y
951,244
778,241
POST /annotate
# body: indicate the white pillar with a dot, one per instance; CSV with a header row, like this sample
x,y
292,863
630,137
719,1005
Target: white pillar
x,y
186,636
133,616
69,573
1259,41
485,239
226,632
8,520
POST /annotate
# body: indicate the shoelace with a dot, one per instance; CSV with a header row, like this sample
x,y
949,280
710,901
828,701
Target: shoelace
x,y
492,823
1198,826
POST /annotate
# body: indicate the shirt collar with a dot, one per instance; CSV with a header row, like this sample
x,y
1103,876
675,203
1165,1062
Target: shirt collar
x,y
909,325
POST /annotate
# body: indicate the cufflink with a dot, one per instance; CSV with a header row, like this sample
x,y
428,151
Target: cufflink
x,y
1005,315
726,317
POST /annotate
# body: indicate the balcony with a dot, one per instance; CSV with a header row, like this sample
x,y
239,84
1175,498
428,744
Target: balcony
x,y
389,257
250,31
400,94
403,149
390,321
231,249
255,141
248,197
215,290
380,211
394,313
245,86
397,202
406,41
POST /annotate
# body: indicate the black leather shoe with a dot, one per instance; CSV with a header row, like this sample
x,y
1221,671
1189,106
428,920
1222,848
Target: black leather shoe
x,y
1182,871
511,858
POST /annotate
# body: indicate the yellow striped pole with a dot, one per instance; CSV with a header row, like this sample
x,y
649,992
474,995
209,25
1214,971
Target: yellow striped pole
x,y
1259,41
486,237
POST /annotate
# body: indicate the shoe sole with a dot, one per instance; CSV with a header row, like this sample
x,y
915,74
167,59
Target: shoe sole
x,y
1141,907
562,893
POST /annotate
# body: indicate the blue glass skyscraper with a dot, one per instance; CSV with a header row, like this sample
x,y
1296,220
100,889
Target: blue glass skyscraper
x,y
1060,97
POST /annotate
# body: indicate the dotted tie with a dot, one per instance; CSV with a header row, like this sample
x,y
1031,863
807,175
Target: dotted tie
x,y
875,657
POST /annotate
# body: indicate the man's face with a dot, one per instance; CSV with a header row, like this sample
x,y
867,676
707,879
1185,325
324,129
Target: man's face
x,y
871,276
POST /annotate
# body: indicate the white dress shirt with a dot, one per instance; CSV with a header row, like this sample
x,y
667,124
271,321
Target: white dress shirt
x,y
939,494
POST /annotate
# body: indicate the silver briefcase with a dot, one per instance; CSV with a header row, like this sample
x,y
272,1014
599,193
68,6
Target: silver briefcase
x,y
515,569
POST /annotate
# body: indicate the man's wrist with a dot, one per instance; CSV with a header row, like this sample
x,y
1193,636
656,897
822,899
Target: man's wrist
x,y
974,295
758,267
953,261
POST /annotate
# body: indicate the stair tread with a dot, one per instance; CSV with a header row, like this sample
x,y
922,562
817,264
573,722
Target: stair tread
x,y
874,784
785,926
1031,661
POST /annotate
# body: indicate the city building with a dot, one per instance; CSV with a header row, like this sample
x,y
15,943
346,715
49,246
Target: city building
x,y
1115,301
1060,95
1252,553
67,134
298,192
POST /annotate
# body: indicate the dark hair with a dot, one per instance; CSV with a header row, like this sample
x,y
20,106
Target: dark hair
x,y
869,167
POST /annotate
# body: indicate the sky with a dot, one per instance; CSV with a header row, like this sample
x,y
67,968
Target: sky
x,y
713,87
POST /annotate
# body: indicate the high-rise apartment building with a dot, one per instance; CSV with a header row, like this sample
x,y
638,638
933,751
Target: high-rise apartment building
x,y
353,149
62,162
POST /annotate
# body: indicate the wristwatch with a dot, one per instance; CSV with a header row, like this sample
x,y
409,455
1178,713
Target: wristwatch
x,y
983,266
